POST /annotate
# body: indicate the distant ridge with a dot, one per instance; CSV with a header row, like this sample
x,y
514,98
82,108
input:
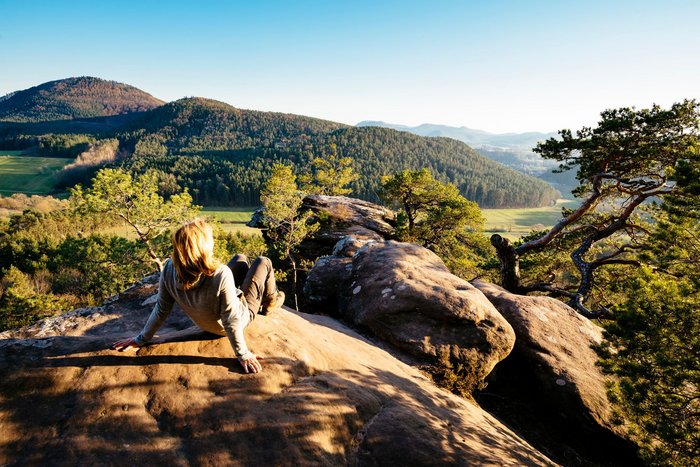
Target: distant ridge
x,y
198,124
73,98
474,138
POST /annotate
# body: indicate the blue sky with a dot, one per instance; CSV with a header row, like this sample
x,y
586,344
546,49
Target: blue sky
x,y
496,65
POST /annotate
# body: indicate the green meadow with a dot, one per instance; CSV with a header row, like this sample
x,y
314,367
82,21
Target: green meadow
x,y
23,172
511,223
232,219
514,223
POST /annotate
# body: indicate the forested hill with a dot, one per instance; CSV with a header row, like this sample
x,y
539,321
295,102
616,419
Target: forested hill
x,y
385,151
82,97
198,125
223,154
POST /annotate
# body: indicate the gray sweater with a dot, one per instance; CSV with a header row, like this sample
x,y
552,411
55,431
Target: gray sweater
x,y
212,303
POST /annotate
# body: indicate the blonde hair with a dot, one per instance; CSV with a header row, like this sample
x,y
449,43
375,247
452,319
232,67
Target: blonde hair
x,y
193,252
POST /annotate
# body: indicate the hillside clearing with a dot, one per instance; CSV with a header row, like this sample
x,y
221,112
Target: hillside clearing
x,y
22,172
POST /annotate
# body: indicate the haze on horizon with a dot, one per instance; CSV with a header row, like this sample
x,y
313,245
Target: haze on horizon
x,y
499,66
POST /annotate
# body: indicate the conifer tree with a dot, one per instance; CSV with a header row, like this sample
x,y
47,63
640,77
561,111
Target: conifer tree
x,y
329,175
629,159
435,215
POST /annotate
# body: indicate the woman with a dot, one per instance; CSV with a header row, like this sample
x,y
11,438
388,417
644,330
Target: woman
x,y
206,291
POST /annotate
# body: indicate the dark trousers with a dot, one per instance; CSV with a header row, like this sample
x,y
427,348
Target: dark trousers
x,y
256,280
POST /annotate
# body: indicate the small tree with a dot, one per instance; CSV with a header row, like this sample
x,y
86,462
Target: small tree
x,y
329,175
627,160
435,215
21,304
116,195
287,227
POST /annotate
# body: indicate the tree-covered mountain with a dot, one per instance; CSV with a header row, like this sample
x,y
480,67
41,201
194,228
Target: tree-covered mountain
x,y
204,140
222,154
71,98
198,125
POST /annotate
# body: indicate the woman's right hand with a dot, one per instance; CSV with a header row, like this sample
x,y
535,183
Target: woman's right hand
x,y
252,365
126,344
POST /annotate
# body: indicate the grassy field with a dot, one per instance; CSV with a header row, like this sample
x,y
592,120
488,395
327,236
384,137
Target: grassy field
x,y
232,219
22,172
514,223
511,223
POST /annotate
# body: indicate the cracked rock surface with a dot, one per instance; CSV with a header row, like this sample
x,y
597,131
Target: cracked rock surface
x,y
326,396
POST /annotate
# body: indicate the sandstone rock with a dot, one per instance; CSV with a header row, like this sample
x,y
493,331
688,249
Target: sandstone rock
x,y
553,369
339,217
405,295
326,396
348,246
344,212
330,275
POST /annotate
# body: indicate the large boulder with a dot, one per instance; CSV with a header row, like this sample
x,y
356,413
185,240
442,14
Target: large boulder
x,y
326,396
404,294
552,371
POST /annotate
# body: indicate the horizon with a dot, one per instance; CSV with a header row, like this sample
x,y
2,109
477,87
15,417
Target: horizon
x,y
501,67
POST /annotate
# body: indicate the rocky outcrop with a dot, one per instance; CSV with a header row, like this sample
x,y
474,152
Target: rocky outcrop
x,y
338,217
323,283
404,294
552,371
330,275
326,396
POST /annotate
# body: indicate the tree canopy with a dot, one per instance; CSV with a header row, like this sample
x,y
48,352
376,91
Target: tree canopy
x,y
435,215
119,196
630,159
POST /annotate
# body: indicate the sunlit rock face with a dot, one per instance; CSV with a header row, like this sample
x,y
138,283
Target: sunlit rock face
x,y
326,396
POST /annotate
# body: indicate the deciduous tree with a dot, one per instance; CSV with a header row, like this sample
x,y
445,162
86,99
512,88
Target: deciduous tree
x,y
117,195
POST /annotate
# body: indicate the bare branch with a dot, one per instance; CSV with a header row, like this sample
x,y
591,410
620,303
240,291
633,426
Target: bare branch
x,y
577,304
547,287
561,225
